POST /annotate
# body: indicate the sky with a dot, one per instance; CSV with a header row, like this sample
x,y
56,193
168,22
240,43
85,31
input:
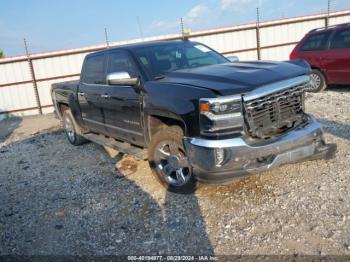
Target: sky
x,y
60,24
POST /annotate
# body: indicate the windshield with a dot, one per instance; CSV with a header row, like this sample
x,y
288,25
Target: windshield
x,y
159,60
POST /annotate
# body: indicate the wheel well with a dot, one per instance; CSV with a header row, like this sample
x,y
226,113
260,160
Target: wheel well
x,y
156,123
62,107
316,68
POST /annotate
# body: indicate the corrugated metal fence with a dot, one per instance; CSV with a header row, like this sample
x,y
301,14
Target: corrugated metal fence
x,y
26,92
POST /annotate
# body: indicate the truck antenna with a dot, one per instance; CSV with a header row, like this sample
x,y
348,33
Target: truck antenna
x,y
140,27
106,36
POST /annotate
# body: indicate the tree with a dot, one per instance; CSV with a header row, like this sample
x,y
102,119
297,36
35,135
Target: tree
x,y
1,54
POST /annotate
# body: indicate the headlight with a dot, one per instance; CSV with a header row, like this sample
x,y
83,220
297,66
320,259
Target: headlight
x,y
221,116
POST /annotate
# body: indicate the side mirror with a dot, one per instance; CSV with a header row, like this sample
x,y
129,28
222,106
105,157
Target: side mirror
x,y
121,79
233,59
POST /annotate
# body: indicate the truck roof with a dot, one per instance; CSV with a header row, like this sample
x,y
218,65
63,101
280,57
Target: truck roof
x,y
138,45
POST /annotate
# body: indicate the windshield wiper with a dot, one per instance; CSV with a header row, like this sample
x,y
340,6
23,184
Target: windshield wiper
x,y
159,77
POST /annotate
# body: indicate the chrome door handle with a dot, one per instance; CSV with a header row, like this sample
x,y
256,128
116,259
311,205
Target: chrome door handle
x,y
105,96
81,94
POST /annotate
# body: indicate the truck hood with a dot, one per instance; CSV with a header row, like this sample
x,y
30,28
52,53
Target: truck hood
x,y
239,77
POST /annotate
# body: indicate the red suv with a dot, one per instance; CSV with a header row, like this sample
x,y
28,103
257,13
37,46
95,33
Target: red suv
x,y
328,53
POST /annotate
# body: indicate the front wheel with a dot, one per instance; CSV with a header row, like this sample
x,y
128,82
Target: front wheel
x,y
318,81
168,161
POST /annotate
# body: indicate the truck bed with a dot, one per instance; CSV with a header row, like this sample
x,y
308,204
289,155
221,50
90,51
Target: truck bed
x,y
62,90
64,85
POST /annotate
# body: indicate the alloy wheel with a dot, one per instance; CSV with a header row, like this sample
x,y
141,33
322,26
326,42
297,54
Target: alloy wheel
x,y
172,163
315,81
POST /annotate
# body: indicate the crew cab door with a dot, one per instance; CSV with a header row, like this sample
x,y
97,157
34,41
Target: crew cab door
x,y
92,86
122,106
337,58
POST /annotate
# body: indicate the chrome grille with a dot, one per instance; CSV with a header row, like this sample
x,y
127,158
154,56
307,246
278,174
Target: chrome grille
x,y
273,114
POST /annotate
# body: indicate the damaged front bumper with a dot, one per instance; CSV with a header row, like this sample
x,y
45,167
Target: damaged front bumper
x,y
221,161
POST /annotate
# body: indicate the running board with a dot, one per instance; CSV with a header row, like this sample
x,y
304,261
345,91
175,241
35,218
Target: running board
x,y
122,147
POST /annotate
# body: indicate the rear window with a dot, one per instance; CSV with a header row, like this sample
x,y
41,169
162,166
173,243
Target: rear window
x,y
94,72
316,42
341,39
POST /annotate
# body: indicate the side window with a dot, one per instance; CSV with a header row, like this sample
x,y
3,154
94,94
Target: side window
x,y
122,62
316,42
341,39
94,71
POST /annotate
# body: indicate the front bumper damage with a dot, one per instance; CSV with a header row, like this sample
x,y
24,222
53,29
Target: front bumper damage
x,y
221,161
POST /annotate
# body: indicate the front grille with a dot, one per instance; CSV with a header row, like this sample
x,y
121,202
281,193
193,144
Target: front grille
x,y
273,114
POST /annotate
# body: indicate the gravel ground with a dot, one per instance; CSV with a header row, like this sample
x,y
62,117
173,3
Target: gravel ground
x,y
60,199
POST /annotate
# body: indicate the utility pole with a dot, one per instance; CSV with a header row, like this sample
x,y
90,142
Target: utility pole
x,y
328,12
106,37
258,33
185,32
32,74
182,28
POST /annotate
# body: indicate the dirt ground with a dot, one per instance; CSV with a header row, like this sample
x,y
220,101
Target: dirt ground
x,y
56,199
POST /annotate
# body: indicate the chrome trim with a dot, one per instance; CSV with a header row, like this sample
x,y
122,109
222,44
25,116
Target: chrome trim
x,y
293,155
268,115
241,157
222,99
120,78
233,142
92,84
131,122
223,116
113,127
105,96
276,87
237,142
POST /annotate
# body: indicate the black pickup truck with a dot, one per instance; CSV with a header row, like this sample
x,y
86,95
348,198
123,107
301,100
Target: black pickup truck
x,y
200,116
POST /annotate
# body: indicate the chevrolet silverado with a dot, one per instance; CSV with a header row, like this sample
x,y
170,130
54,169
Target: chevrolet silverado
x,y
191,112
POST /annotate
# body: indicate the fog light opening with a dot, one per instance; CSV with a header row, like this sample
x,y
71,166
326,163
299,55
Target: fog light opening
x,y
219,156
265,160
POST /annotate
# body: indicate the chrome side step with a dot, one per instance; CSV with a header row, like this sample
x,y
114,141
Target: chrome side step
x,y
122,147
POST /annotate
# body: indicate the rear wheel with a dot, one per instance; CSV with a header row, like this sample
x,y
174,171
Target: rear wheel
x,y
169,162
318,81
72,129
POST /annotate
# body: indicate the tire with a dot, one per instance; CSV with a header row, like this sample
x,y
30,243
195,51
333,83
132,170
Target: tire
x,y
318,81
72,129
168,161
